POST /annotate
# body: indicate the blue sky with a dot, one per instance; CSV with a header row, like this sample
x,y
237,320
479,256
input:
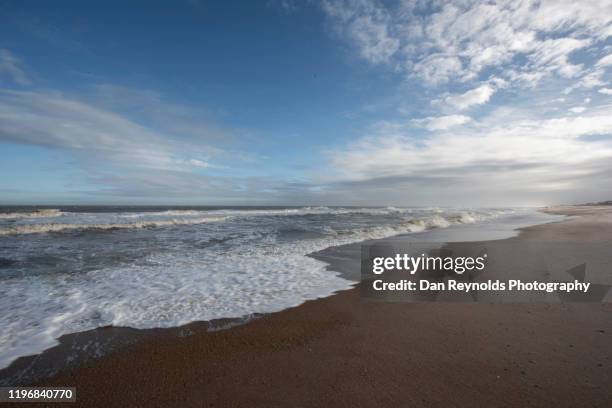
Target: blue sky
x,y
305,103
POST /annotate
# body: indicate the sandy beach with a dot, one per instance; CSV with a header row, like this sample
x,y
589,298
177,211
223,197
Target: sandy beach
x,y
328,203
343,351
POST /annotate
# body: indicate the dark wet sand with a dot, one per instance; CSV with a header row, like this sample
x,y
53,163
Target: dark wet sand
x,y
343,351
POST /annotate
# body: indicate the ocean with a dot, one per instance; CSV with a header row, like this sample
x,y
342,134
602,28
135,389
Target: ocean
x,y
71,269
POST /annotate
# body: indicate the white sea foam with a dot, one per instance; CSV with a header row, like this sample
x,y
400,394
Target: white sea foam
x,y
109,221
44,213
42,228
315,211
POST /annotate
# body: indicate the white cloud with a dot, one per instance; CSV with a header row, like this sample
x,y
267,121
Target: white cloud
x,y
55,120
10,66
461,39
199,163
509,152
368,27
476,96
605,61
438,68
528,52
441,122
171,119
286,6
122,158
553,55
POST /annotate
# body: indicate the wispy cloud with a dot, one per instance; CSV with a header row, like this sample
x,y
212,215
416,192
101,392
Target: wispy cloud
x,y
286,6
368,25
507,152
174,120
11,68
443,41
476,96
577,109
528,71
441,122
103,131
134,144
605,61
56,120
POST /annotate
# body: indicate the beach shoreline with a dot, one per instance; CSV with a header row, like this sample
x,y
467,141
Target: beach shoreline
x,y
337,261
343,351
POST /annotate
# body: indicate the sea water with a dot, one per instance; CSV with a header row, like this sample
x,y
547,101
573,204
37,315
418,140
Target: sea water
x,y
67,270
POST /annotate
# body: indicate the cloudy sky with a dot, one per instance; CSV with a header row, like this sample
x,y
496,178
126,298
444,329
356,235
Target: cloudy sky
x,y
306,103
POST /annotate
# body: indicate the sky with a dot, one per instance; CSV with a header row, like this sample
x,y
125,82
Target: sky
x,y
279,102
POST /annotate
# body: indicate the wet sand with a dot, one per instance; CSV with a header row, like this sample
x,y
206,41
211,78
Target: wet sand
x,y
344,351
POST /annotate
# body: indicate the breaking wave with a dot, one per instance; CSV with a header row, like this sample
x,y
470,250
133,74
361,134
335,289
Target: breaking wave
x,y
407,219
46,213
42,228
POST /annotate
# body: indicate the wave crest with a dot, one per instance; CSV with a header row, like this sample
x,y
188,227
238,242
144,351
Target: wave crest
x,y
44,213
41,228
